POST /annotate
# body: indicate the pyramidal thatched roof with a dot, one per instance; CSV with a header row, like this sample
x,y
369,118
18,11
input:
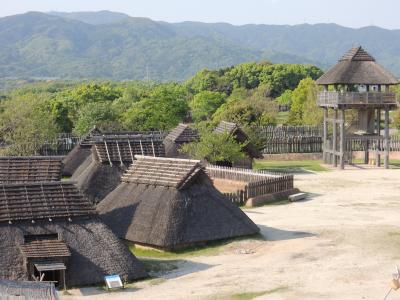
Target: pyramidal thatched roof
x,y
30,169
357,67
170,204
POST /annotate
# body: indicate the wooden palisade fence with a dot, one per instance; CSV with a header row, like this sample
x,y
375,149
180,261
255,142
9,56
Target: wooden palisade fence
x,y
258,183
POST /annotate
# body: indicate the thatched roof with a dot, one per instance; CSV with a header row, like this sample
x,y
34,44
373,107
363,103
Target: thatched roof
x,y
122,149
143,143
52,221
183,133
168,172
29,169
96,179
357,67
95,251
45,249
27,290
174,206
47,200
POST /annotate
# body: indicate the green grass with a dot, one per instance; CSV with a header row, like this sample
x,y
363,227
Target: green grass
x,y
393,162
211,248
290,165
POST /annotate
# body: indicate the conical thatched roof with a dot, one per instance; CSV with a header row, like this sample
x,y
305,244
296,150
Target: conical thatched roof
x,y
357,67
51,224
171,203
29,169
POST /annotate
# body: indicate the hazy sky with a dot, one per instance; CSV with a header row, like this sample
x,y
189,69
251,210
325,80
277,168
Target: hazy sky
x,y
352,13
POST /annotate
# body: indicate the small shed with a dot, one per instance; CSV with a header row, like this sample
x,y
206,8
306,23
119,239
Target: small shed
x,y
50,232
180,135
15,169
171,203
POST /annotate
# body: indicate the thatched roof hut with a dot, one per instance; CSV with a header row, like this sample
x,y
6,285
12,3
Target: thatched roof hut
x,y
241,137
15,169
170,204
101,172
27,290
357,67
180,135
144,143
49,231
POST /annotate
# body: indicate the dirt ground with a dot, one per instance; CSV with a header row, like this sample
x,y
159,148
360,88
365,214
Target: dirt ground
x,y
343,242
228,186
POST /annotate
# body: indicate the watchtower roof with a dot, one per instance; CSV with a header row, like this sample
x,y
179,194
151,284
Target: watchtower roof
x,y
357,66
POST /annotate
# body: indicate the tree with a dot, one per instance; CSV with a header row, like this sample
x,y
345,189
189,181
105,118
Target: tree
x,y
100,114
163,109
26,124
304,110
215,147
285,98
205,103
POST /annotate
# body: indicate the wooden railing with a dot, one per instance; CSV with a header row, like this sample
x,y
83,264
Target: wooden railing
x,y
258,183
355,98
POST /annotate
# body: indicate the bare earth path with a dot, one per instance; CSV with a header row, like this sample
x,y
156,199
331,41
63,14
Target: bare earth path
x,y
342,243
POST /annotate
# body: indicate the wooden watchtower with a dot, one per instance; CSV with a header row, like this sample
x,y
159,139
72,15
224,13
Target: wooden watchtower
x,y
356,83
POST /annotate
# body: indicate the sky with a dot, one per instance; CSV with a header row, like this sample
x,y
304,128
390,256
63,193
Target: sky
x,y
350,13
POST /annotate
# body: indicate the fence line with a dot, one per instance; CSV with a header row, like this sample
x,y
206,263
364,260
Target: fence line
x,y
258,183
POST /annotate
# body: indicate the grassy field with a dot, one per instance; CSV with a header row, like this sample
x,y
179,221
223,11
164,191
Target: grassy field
x,y
290,166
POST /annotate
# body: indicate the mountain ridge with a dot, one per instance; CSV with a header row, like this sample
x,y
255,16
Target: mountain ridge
x,y
116,46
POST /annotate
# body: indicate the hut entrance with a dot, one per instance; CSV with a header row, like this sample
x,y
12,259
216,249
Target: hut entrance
x,y
50,272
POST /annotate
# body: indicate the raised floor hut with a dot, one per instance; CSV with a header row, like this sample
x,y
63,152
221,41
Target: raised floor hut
x,y
180,135
170,204
15,169
101,172
50,232
240,137
357,83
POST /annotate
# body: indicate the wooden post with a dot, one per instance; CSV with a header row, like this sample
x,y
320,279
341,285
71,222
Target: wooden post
x,y
342,138
334,138
325,137
378,142
386,138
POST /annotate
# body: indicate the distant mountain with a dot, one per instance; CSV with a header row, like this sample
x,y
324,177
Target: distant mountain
x,y
116,46
94,18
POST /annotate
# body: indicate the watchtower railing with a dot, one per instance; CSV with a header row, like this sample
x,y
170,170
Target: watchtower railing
x,y
334,99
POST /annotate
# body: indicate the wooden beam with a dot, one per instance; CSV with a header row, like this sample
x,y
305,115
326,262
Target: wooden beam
x,y
342,138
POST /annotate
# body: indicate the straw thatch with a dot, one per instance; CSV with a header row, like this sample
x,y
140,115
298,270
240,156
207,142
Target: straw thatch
x,y
27,290
101,172
170,204
52,223
180,135
29,169
357,67
96,179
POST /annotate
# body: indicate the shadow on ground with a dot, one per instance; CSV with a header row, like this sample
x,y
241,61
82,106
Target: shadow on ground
x,y
275,234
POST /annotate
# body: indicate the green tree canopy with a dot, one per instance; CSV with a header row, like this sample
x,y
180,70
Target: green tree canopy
x,y
215,147
304,110
205,103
